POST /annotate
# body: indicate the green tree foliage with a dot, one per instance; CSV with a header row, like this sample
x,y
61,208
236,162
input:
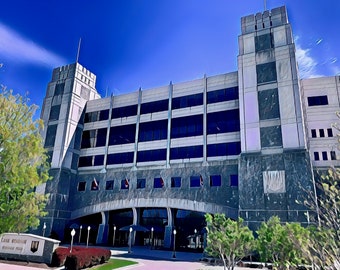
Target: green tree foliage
x,y
282,244
228,239
23,164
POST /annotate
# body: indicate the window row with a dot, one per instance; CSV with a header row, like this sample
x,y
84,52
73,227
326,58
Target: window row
x,y
322,133
213,150
317,100
158,182
325,155
162,105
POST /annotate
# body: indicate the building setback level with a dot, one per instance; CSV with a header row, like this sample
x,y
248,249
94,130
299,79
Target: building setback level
x,y
245,143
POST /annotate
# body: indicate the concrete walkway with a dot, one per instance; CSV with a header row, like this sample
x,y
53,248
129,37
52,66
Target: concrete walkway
x,y
146,258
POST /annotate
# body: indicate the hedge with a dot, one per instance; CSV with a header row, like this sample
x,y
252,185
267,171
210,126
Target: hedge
x,y
81,257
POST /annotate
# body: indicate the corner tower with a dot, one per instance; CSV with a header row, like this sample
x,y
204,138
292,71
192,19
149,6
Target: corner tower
x,y
274,167
66,96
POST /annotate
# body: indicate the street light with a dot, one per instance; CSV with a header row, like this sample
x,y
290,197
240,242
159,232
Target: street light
x,y
73,232
130,231
44,228
174,251
195,231
114,235
152,237
80,228
88,235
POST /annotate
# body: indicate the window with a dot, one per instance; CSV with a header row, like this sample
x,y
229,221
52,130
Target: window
x,y
317,100
124,111
122,134
222,95
101,137
324,155
322,133
187,101
196,181
120,158
85,161
91,117
50,136
158,182
316,156
223,122
186,152
74,162
104,115
155,106
329,132
333,155
271,136
264,42
125,184
109,185
95,184
187,126
224,149
59,89
176,182
215,180
313,133
269,104
151,131
151,155
140,183
88,138
266,73
234,180
98,160
81,186
54,113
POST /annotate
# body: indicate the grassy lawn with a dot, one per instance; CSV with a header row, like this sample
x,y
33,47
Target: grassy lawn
x,y
114,264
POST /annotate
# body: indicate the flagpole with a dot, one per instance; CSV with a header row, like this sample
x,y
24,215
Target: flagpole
x,y
78,51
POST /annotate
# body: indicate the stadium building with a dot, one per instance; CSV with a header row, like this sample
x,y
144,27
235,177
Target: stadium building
x,y
244,143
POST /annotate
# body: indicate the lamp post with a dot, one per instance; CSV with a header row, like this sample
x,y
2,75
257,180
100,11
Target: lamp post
x,y
44,229
130,238
88,236
195,231
114,235
80,228
174,250
73,232
152,237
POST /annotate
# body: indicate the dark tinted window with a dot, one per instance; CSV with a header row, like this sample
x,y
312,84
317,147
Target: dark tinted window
x,y
98,160
187,101
329,132
223,122
54,113
317,100
176,182
95,184
224,149
155,106
234,180
141,183
124,111
85,161
151,131
313,133
322,133
91,117
101,137
81,186
266,73
59,89
196,181
222,95
186,152
324,156
215,180
333,155
125,184
104,115
264,42
120,158
187,126
50,135
158,182
109,184
316,156
151,155
122,134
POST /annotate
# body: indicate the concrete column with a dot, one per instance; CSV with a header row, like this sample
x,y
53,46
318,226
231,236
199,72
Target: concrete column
x,y
168,229
103,229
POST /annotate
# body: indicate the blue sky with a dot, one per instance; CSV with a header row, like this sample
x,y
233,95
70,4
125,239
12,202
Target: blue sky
x,y
148,43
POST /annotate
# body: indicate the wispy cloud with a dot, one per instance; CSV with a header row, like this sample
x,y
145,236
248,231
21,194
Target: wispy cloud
x,y
307,64
16,47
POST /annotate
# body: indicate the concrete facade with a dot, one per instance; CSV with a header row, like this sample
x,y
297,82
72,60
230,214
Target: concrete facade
x,y
239,143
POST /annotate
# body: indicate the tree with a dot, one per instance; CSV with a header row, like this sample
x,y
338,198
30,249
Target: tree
x,y
228,239
23,164
281,244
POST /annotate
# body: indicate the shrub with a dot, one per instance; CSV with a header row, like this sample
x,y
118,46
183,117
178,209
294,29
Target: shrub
x,y
80,257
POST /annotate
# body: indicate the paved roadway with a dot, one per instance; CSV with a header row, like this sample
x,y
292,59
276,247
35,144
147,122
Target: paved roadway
x,y
147,260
